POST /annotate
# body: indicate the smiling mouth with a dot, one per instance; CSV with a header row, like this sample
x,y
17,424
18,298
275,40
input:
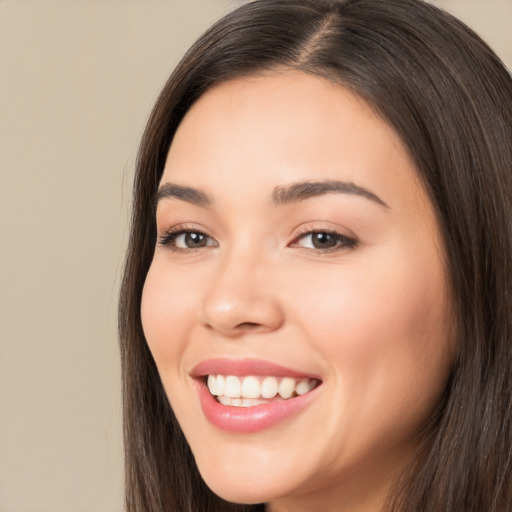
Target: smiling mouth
x,y
246,396
251,390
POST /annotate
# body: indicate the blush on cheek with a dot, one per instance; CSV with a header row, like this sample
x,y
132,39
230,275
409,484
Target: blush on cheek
x,y
157,311
169,307
366,315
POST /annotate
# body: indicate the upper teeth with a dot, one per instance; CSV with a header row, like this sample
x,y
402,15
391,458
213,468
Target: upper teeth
x,y
254,387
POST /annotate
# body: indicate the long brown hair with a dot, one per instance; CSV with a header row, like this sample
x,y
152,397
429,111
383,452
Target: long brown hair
x,y
449,98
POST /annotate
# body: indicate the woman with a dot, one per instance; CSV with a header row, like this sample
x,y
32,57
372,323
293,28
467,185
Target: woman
x,y
315,313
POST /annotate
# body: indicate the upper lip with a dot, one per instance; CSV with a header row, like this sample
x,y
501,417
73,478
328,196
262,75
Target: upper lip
x,y
243,367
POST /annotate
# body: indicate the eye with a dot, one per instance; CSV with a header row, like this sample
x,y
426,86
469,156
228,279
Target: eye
x,y
323,240
185,240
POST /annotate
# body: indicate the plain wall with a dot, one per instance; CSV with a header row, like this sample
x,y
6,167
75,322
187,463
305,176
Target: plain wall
x,y
77,81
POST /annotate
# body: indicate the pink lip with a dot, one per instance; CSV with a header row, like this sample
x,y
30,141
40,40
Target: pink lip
x,y
242,367
247,419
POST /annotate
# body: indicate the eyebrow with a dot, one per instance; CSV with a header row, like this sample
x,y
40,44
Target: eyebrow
x,y
300,191
188,194
281,195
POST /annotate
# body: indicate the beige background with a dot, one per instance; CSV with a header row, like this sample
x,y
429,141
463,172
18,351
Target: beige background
x,y
77,80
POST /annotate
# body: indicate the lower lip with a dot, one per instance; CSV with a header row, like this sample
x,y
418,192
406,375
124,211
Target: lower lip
x,y
250,419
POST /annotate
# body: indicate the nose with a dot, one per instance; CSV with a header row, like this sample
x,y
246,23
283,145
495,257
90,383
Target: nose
x,y
241,298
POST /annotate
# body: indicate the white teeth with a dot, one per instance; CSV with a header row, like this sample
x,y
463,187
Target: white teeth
x,y
232,388
212,384
269,387
249,391
240,402
287,387
251,387
221,384
304,386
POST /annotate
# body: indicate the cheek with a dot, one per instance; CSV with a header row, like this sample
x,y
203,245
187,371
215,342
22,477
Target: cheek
x,y
382,324
391,303
165,313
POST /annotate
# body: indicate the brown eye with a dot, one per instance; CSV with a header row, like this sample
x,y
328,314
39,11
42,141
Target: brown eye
x,y
183,240
193,240
324,241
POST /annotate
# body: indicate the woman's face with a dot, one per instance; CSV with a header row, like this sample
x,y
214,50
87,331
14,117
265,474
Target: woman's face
x,y
296,246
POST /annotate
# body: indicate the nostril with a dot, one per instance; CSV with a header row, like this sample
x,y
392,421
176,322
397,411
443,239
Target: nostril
x,y
248,326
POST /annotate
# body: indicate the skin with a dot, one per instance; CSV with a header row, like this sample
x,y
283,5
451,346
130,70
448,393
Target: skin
x,y
371,319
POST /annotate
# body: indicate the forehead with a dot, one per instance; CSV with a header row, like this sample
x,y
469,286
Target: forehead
x,y
283,128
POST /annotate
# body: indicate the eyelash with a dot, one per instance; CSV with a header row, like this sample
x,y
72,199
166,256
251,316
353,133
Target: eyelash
x,y
168,238
343,242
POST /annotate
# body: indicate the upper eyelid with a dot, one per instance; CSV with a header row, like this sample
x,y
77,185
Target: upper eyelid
x,y
181,226
296,232
323,227
182,229
349,239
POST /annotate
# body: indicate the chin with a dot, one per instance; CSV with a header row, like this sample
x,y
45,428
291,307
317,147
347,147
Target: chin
x,y
246,487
